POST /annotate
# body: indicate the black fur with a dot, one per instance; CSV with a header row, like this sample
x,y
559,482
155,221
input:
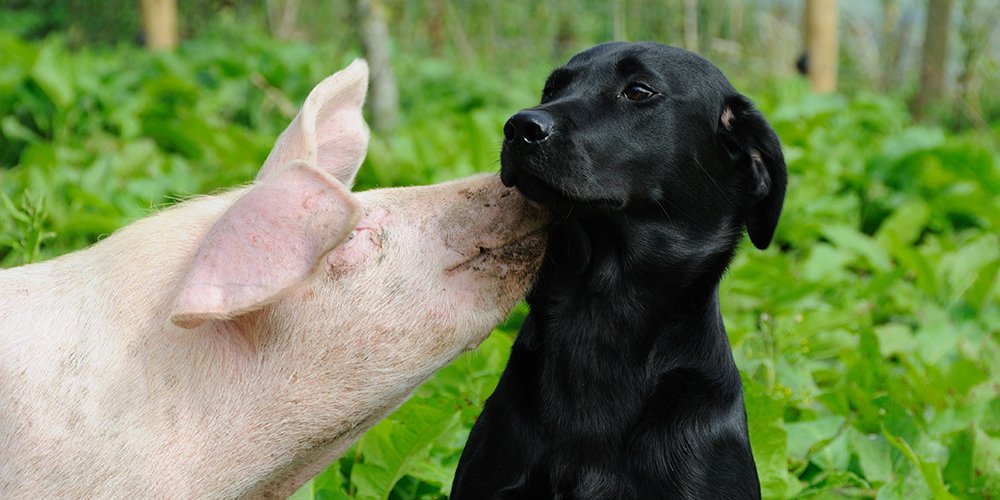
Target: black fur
x,y
621,383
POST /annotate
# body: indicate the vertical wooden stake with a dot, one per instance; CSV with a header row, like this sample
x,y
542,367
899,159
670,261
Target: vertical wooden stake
x,y
160,20
821,44
383,94
691,25
618,20
932,68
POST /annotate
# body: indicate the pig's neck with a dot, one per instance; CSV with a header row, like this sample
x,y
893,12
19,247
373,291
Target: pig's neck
x,y
128,367
236,378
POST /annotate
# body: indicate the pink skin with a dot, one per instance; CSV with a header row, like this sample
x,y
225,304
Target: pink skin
x,y
236,344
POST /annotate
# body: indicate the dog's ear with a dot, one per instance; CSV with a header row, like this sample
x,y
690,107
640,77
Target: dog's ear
x,y
752,144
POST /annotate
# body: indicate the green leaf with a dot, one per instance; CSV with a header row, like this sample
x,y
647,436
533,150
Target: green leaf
x,y
936,335
959,471
849,239
911,140
971,271
820,441
430,471
768,440
303,493
930,470
393,447
14,129
986,462
904,226
920,266
892,491
825,263
895,338
326,486
874,456
52,73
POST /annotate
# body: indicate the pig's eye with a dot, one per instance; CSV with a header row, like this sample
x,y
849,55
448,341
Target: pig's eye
x,y
355,250
359,234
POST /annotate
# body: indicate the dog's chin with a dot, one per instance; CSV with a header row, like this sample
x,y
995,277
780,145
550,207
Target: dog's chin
x,y
539,192
557,200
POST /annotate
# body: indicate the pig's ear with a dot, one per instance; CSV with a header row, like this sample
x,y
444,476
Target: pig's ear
x,y
270,240
329,130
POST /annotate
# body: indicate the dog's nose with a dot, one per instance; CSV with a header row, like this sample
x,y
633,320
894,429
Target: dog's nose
x,y
531,126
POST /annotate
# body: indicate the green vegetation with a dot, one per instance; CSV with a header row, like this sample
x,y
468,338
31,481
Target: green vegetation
x,y
868,334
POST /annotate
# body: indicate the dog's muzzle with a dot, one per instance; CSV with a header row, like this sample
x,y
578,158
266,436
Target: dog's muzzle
x,y
523,134
530,126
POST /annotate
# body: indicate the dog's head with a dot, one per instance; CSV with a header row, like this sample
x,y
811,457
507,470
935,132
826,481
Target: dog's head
x,y
644,128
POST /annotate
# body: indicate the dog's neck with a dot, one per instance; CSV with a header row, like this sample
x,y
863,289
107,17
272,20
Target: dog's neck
x,y
670,269
670,289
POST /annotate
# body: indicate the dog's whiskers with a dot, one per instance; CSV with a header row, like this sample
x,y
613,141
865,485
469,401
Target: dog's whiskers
x,y
665,213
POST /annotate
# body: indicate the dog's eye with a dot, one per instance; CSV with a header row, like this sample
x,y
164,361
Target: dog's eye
x,y
637,92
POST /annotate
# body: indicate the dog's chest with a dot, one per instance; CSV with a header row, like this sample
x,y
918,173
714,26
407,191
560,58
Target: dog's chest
x,y
593,382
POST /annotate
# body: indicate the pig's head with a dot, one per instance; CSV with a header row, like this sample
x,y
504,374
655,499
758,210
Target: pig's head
x,y
430,267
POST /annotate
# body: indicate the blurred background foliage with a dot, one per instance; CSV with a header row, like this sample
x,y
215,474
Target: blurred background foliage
x,y
868,334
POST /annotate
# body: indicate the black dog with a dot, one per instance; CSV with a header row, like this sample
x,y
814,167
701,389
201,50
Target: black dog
x,y
621,383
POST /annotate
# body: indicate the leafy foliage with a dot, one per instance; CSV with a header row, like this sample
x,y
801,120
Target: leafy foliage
x,y
867,334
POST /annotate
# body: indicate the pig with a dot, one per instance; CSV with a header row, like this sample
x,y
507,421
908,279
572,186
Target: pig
x,y
236,344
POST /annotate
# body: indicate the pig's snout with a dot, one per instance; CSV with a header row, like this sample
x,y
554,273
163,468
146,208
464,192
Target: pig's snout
x,y
491,219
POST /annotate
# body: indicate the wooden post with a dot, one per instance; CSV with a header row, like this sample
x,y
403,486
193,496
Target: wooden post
x,y
821,44
282,18
618,20
160,20
691,25
383,95
932,67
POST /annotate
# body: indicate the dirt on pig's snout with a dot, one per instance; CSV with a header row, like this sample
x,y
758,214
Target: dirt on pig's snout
x,y
491,217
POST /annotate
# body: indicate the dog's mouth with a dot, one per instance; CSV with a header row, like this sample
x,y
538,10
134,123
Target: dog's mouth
x,y
538,191
558,200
